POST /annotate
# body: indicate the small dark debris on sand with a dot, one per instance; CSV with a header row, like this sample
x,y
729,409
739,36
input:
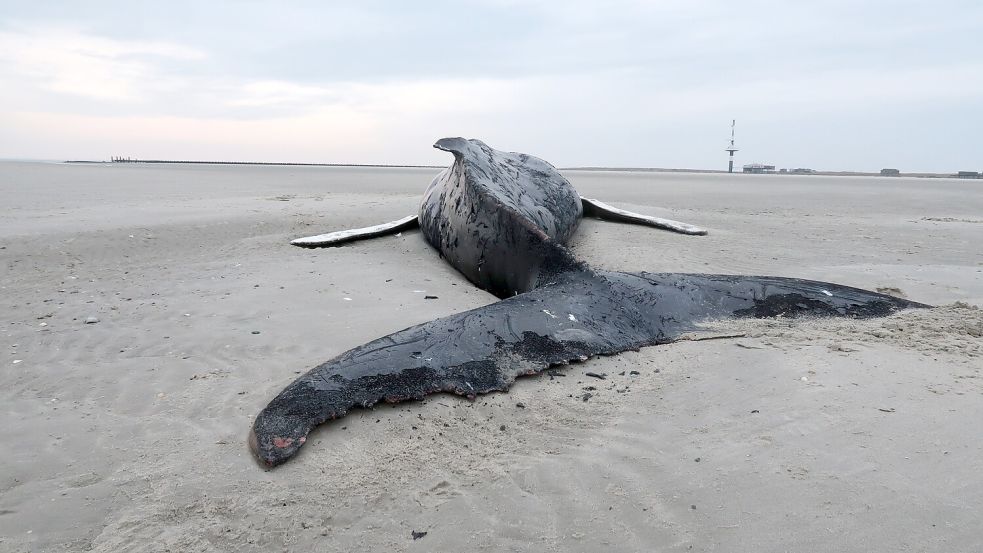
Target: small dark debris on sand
x,y
746,346
417,535
595,375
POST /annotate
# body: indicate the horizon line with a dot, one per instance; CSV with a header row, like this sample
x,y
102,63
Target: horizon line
x,y
817,172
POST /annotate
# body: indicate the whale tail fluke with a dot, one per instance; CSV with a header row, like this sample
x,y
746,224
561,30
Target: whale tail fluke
x,y
579,315
470,353
695,297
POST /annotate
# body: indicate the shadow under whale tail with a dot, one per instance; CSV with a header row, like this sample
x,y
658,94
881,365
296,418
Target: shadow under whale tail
x,y
581,314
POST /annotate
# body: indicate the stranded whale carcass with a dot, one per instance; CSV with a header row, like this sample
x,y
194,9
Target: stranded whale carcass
x,y
502,220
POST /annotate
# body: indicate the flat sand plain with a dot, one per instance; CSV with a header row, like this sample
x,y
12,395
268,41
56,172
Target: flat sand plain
x,y
129,434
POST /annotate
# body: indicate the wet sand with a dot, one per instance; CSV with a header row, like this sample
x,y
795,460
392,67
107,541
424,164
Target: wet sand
x,y
128,434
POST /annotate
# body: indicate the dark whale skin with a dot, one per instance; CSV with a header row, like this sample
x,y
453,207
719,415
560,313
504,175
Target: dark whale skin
x,y
502,220
498,217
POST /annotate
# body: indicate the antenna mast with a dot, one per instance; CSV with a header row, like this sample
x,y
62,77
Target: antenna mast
x,y
731,148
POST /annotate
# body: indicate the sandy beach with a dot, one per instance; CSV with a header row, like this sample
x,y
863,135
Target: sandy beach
x,y
129,433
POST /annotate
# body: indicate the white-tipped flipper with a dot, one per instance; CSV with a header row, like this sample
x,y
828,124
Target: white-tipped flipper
x,y
342,236
594,208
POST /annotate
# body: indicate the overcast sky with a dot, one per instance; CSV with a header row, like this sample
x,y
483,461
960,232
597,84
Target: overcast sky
x,y
821,84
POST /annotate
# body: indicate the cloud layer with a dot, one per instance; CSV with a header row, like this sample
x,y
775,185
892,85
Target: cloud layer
x,y
832,86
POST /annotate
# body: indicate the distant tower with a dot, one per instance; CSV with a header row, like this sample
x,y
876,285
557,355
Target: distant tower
x,y
731,148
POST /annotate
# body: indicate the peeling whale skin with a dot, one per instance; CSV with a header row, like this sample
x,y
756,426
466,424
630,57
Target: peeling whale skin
x,y
502,220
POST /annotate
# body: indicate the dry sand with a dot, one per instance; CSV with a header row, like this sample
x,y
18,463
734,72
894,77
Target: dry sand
x,y
128,434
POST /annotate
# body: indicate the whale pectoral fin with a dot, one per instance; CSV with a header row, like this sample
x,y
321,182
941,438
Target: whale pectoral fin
x,y
342,236
470,353
601,210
